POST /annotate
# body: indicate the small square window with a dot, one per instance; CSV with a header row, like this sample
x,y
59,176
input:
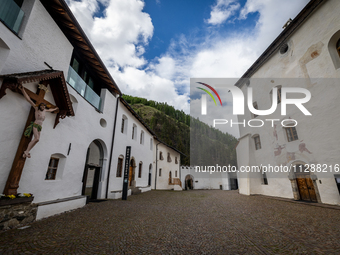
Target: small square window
x,y
291,134
52,169
119,167
122,128
257,142
279,95
169,157
140,170
264,180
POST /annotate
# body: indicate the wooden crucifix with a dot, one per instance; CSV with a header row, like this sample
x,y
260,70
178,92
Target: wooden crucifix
x,y
12,183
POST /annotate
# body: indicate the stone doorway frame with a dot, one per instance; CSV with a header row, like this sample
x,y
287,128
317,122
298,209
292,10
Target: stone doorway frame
x,y
294,184
132,182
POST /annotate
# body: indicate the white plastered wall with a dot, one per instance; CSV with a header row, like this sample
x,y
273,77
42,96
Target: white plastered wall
x,y
139,152
308,57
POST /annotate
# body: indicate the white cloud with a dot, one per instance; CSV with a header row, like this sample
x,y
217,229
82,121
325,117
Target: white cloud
x,y
221,11
121,35
149,85
272,16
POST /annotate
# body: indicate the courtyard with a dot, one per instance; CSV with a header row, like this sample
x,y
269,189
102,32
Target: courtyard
x,y
188,222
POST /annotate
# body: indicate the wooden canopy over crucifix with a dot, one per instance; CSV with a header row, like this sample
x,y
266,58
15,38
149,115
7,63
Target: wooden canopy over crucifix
x,y
56,81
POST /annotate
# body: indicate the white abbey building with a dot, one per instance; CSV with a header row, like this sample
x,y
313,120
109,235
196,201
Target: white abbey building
x,y
306,55
191,178
166,167
81,151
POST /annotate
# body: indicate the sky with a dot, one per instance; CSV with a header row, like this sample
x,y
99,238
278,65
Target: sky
x,y
153,47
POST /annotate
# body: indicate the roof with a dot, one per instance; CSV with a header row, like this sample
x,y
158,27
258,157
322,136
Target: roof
x,y
281,39
170,146
54,78
126,104
62,15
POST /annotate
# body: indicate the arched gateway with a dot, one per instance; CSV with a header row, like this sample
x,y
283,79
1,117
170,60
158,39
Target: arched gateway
x,y
93,169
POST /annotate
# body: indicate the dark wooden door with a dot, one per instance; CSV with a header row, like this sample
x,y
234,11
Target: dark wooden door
x,y
306,188
95,184
149,181
131,175
311,189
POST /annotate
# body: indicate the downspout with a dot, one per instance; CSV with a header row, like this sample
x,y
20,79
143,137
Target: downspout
x,y
180,170
112,143
156,165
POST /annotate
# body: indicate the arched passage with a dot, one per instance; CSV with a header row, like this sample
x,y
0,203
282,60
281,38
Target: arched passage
x,y
189,182
93,169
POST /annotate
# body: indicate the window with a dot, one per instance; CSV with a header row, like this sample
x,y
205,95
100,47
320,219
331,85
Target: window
x,y
83,72
142,137
11,14
256,107
151,143
291,134
160,172
264,180
337,181
278,95
84,81
175,173
119,167
176,161
52,169
134,132
161,155
122,128
284,48
140,170
334,49
257,142
169,157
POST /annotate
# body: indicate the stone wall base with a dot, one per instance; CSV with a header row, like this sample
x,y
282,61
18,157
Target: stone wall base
x,y
12,216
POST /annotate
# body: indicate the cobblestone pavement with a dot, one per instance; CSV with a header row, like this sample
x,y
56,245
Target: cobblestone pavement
x,y
188,222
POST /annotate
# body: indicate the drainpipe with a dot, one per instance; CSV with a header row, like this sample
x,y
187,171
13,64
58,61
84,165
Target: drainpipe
x,y
156,165
112,143
180,170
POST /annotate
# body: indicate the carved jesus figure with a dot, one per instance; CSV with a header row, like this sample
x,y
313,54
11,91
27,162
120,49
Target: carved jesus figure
x,y
35,126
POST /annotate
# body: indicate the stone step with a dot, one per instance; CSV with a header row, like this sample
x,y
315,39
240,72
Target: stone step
x,y
135,191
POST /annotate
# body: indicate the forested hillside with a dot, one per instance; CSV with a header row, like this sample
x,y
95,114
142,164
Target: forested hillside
x,y
174,126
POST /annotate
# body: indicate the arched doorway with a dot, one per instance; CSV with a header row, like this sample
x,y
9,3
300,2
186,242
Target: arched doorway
x,y
189,182
132,182
150,171
92,170
305,185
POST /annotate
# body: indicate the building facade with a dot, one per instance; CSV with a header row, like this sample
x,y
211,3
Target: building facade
x,y
193,178
304,55
166,169
81,150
